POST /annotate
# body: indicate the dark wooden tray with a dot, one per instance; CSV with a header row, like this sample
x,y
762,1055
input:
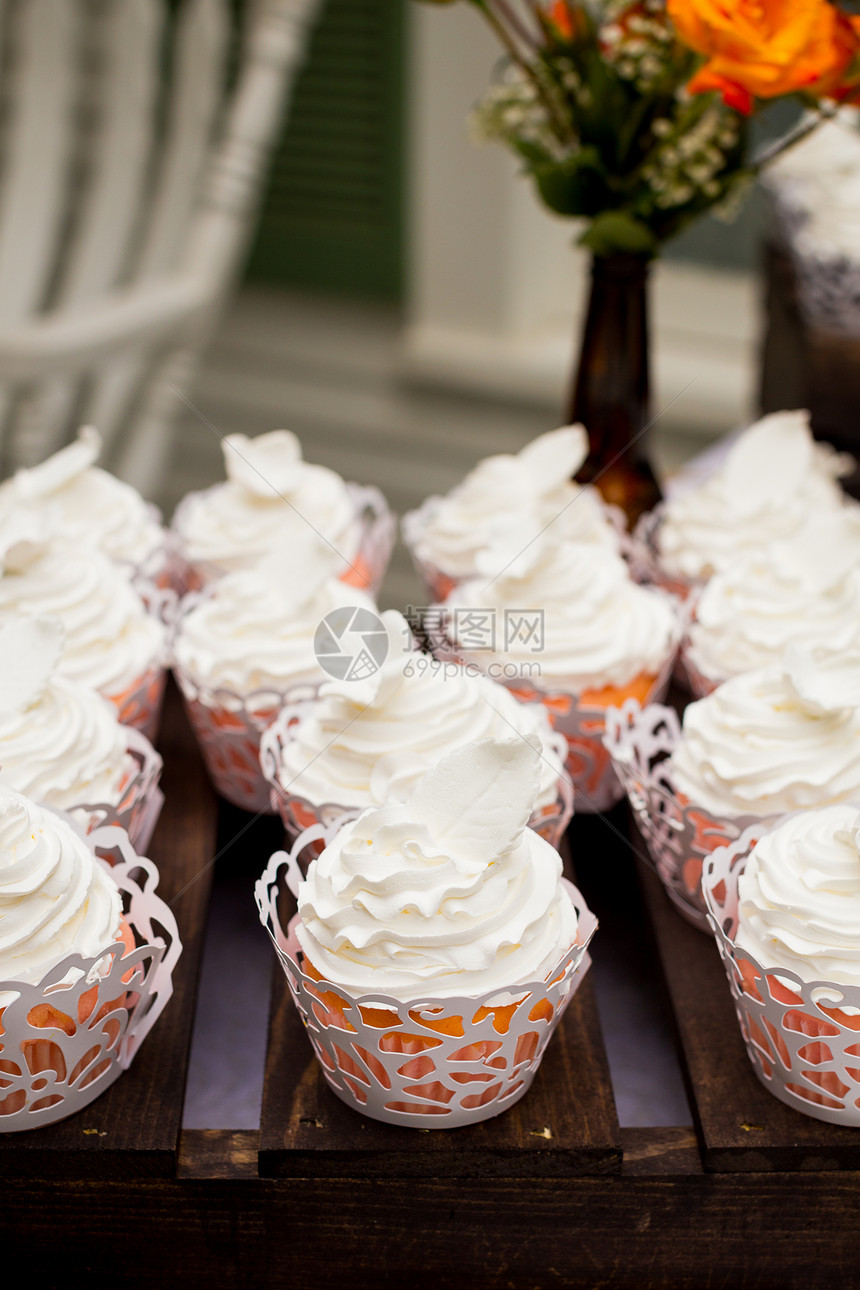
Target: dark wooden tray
x,y
550,1193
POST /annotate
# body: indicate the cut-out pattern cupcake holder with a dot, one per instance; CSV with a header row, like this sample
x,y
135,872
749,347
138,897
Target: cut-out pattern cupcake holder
x,y
679,834
49,1072
297,813
428,1063
804,1051
141,799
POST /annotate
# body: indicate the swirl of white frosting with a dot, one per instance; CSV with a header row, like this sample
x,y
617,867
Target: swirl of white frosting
x,y
246,636
363,744
56,898
270,496
405,903
804,591
111,641
65,748
596,626
767,742
775,479
799,896
505,502
87,504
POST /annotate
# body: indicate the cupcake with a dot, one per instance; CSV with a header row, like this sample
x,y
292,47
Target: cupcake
x,y
367,740
503,504
269,499
62,744
79,984
88,506
775,479
436,944
782,738
785,909
245,647
565,625
112,644
803,590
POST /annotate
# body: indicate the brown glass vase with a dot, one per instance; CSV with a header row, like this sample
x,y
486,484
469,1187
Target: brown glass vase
x,y
611,389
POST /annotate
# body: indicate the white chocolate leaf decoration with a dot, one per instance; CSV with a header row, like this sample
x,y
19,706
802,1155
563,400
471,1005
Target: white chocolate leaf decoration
x,y
553,458
265,465
515,552
297,568
60,469
823,682
769,461
360,684
24,538
477,801
30,650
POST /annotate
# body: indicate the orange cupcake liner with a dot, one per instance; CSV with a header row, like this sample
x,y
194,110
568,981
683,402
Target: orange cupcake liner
x,y
466,1059
804,1049
65,1040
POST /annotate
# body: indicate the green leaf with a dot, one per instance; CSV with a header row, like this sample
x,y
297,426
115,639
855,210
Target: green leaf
x,y
619,231
573,187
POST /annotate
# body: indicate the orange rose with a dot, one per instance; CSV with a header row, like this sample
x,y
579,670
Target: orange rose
x,y
765,48
563,15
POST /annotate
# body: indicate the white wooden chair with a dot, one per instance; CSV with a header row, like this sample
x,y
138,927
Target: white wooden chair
x,y
128,177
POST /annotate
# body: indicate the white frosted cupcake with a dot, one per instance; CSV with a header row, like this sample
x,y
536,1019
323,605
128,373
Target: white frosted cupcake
x,y
803,591
502,505
81,984
571,630
785,737
61,743
782,738
87,505
245,647
785,909
436,931
111,644
366,741
774,481
271,497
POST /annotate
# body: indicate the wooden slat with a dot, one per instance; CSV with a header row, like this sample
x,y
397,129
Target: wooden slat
x,y
741,1126
764,1232
132,1130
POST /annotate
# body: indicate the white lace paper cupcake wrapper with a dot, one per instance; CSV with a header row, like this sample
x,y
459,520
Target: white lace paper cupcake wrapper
x,y
804,1048
377,530
228,727
140,801
643,557
429,1063
298,814
680,835
102,1008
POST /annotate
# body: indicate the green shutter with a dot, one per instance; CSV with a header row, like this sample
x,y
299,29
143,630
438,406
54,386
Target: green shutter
x,y
332,217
